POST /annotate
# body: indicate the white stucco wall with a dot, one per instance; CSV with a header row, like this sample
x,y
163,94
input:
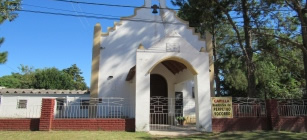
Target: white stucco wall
x,y
188,100
155,32
9,108
119,53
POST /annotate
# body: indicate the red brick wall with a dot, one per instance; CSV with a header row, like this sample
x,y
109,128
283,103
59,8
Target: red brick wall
x,y
298,124
46,114
130,125
239,124
272,113
94,124
47,122
19,124
272,122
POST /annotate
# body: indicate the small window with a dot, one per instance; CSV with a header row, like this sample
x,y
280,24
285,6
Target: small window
x,y
84,104
22,104
100,100
60,104
193,93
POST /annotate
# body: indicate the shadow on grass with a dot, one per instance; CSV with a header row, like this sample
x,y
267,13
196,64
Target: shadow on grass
x,y
247,135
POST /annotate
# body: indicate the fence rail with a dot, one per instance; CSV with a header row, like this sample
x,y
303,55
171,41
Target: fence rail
x,y
292,107
248,107
93,108
93,111
172,113
249,111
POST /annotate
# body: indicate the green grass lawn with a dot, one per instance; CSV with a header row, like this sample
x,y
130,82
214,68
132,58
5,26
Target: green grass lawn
x,y
103,135
255,135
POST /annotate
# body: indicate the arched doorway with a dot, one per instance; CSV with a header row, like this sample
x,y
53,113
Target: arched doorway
x,y
168,110
179,69
158,86
158,100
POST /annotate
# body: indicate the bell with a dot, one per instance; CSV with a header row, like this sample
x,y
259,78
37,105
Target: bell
x,y
155,7
154,11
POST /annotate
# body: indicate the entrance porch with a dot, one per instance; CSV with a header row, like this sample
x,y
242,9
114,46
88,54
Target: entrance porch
x,y
164,91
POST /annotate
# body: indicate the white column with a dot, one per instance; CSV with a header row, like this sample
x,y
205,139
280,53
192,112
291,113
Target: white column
x,y
162,4
142,97
202,100
147,3
209,48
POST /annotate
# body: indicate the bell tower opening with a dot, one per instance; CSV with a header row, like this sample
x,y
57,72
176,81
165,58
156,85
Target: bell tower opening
x,y
155,6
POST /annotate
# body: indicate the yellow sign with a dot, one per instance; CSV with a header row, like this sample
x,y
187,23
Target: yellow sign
x,y
221,107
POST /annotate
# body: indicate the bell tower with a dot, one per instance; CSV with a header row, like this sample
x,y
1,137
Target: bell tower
x,y
162,3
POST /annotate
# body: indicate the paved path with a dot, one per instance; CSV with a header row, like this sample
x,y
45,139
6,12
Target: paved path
x,y
174,133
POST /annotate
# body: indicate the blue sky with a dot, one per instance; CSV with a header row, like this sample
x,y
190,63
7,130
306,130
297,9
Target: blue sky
x,y
41,40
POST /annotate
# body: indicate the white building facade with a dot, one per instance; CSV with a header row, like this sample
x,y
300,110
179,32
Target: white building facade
x,y
148,56
27,103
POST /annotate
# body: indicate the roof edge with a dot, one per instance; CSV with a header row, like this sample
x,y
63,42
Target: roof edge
x,y
111,29
41,91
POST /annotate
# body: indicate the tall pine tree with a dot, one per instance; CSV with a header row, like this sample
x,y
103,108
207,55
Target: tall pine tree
x,y
7,13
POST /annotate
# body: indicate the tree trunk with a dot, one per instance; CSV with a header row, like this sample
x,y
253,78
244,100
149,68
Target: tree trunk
x,y
305,68
304,34
249,50
301,13
216,66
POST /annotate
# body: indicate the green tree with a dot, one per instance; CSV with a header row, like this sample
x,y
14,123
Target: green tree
x,y
52,78
22,80
7,13
279,69
47,78
289,26
203,17
75,73
10,81
3,55
245,55
26,76
224,8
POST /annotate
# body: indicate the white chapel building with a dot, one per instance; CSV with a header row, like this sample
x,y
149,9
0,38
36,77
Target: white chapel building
x,y
151,59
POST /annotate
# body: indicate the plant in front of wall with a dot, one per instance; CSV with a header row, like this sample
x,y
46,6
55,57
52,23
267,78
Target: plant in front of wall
x,y
180,119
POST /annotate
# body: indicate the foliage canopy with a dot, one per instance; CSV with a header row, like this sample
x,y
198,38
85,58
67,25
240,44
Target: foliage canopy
x,y
47,78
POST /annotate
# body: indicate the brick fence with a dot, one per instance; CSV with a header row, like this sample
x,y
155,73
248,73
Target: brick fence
x,y
239,124
19,124
297,124
47,122
272,122
47,118
94,124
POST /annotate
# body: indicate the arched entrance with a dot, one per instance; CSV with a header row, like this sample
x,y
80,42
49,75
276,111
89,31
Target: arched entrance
x,y
176,72
158,86
158,100
168,109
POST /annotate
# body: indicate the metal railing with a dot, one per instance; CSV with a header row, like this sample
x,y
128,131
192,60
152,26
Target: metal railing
x,y
13,111
93,108
292,107
172,113
248,107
